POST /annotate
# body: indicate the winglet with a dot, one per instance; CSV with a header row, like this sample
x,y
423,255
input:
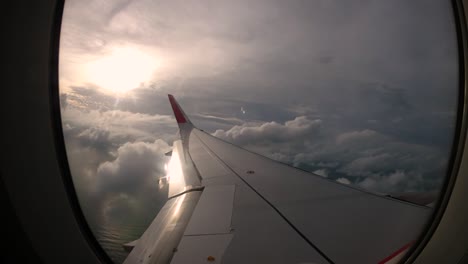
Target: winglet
x,y
179,114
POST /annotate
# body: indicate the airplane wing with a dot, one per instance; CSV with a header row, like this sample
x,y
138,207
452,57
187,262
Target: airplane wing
x,y
229,205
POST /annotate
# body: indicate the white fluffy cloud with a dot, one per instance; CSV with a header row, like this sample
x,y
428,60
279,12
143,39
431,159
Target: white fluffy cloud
x,y
321,172
116,158
271,131
390,181
343,181
122,188
136,165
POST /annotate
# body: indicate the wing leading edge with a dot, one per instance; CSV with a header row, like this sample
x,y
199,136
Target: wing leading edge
x,y
240,207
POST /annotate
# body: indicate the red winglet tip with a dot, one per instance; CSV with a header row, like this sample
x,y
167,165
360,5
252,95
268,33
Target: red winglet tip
x,y
179,115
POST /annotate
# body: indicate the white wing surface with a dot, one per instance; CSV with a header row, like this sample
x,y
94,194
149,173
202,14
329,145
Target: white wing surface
x,y
229,205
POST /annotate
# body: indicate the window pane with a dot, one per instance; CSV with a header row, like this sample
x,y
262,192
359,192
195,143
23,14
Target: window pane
x,y
363,93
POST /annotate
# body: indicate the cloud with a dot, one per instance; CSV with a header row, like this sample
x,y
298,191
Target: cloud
x,y
127,189
321,172
343,181
116,126
355,136
93,137
220,119
122,187
366,158
116,157
272,131
136,166
386,182
326,59
232,48
378,162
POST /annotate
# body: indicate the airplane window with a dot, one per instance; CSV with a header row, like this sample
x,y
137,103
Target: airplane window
x,y
360,93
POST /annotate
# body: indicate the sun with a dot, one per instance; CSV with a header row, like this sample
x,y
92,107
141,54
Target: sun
x,y
121,71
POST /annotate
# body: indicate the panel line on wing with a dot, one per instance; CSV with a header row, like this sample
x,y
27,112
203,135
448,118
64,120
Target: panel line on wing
x,y
268,202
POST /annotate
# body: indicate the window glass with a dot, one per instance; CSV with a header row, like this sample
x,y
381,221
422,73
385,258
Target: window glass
x,y
363,93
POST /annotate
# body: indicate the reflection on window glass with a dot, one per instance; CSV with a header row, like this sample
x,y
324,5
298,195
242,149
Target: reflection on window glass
x,y
363,93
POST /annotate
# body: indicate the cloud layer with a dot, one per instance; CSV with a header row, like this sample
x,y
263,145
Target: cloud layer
x,y
365,158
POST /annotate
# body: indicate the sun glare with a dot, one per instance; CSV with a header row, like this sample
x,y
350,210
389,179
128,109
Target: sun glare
x,y
121,71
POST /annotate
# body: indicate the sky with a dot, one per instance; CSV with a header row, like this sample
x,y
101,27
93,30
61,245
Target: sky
x,y
361,92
